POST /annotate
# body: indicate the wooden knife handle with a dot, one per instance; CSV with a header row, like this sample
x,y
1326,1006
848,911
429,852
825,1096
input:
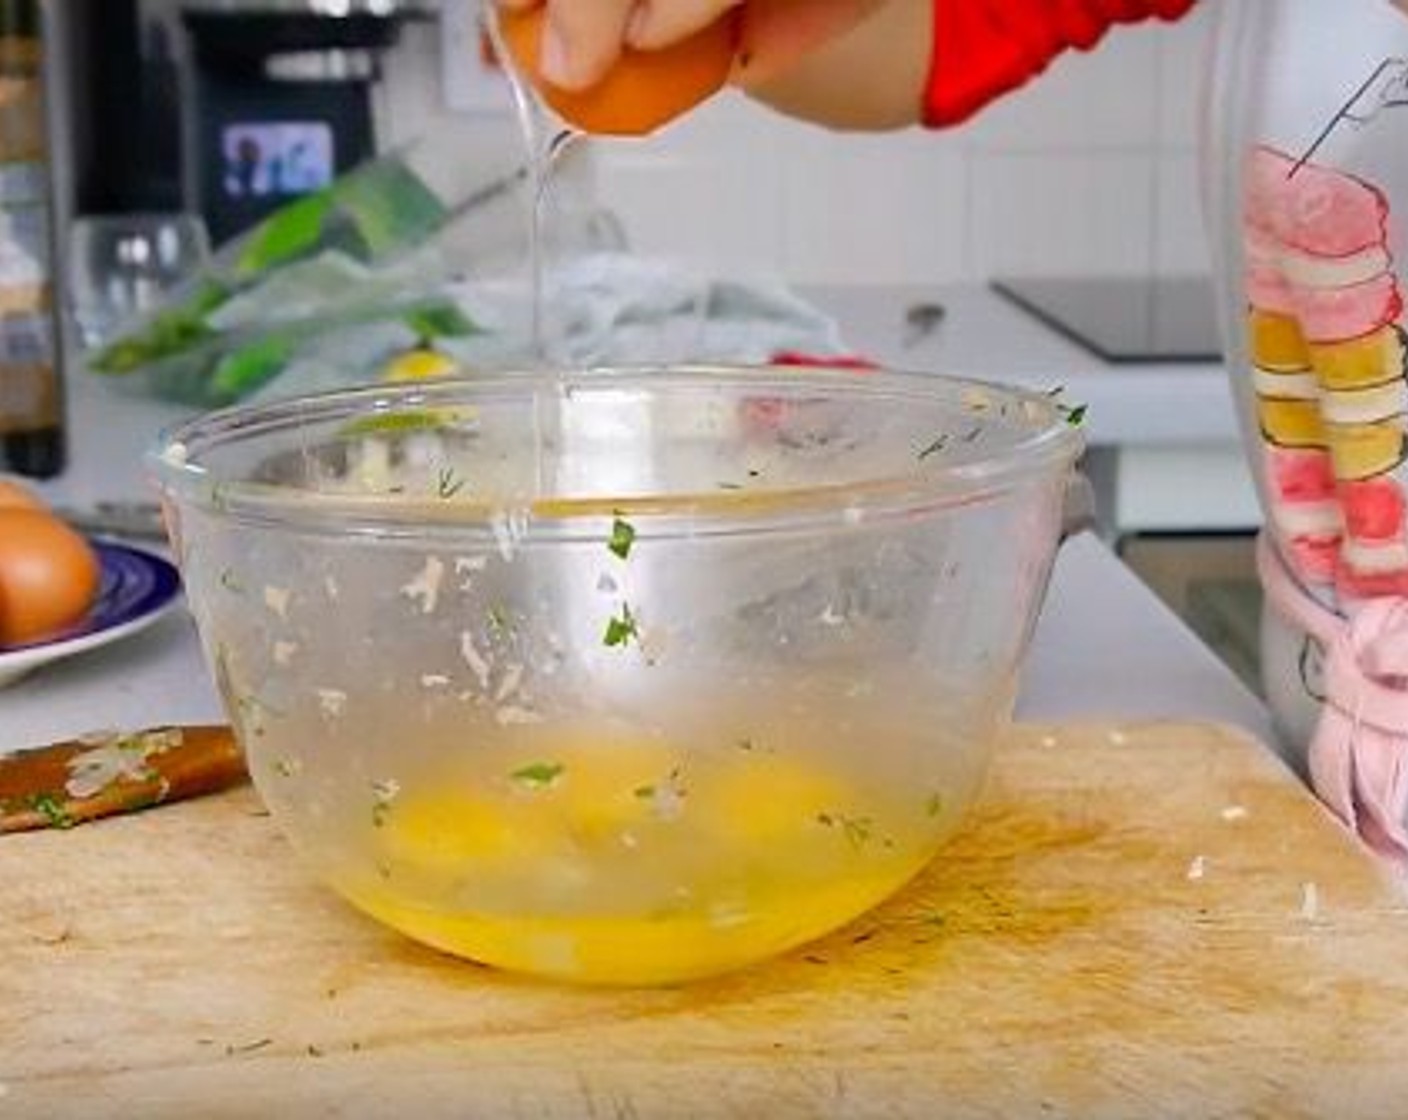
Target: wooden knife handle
x,y
70,783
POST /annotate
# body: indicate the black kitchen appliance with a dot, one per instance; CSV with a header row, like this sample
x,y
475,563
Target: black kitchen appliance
x,y
225,108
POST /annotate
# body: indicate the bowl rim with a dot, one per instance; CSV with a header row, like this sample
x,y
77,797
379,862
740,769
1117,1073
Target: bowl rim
x,y
1053,446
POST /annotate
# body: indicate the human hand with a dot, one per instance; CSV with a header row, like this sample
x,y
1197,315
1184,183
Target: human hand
x,y
585,38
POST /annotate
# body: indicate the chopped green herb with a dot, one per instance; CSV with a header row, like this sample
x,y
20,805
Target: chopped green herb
x,y
745,745
621,628
248,1047
538,775
286,767
231,582
448,484
753,473
52,810
858,830
396,423
383,794
499,621
932,448
666,797
972,433
935,805
1074,414
623,536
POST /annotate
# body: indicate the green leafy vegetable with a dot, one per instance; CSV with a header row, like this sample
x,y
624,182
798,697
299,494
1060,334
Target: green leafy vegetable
x,y
243,370
287,233
389,207
170,332
443,320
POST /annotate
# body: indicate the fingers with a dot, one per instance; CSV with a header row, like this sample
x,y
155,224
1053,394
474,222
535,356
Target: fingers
x,y
582,40
658,23
777,33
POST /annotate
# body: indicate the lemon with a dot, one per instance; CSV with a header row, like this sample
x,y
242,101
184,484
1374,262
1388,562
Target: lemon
x,y
419,365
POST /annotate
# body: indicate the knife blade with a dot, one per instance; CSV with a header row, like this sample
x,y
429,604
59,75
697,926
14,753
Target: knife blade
x,y
66,784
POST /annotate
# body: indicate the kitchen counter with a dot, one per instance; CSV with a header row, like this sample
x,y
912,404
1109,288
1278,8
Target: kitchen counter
x,y
1164,452
1104,646
1148,919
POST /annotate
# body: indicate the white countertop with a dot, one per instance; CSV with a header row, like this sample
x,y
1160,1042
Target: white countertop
x,y
984,335
1105,647
1165,452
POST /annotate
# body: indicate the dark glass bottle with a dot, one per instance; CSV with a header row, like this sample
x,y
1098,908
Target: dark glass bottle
x,y
31,398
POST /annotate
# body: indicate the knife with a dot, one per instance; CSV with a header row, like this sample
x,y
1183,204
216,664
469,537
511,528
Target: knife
x,y
71,783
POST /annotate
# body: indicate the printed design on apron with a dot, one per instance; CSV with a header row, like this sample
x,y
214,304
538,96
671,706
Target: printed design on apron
x,y
1328,347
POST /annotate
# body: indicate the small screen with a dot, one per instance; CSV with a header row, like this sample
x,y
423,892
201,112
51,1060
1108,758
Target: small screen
x,y
269,159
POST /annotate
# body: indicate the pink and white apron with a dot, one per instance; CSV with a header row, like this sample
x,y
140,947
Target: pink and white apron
x,y
1306,169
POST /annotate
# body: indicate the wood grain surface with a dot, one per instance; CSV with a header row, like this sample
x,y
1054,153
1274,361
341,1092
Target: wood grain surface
x,y
1142,921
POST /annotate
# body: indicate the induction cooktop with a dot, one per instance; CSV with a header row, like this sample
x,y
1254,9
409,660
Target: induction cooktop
x,y
1126,319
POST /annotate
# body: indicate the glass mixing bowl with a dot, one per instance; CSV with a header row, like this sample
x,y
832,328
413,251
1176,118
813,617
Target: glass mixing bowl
x,y
627,676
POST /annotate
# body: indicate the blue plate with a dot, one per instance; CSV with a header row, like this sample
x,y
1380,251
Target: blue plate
x,y
137,588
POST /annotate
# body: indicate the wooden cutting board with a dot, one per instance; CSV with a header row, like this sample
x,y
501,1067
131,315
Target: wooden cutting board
x,y
1150,921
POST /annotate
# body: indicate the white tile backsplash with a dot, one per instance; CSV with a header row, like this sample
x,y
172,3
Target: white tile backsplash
x,y
1104,98
1089,169
874,208
1052,214
1182,47
1180,236
707,191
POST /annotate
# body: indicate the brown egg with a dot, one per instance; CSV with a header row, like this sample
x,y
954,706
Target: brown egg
x,y
49,576
644,90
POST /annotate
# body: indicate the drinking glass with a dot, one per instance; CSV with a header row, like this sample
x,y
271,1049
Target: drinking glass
x,y
121,265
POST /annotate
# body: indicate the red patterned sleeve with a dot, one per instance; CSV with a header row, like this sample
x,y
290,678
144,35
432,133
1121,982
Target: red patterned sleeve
x,y
985,48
